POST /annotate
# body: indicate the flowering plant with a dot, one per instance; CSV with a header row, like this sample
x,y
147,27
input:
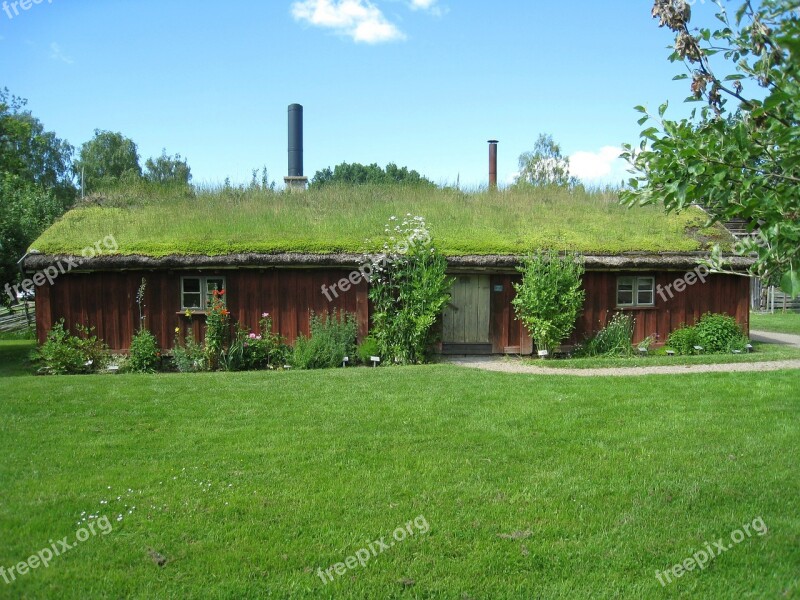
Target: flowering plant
x,y
256,350
409,288
217,330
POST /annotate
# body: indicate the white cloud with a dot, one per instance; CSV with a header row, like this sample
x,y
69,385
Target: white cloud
x,y
431,6
56,53
422,4
359,19
603,166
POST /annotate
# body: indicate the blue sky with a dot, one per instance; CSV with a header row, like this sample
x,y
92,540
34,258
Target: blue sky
x,y
422,83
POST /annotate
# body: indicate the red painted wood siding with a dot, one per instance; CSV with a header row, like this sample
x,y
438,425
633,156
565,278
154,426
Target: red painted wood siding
x,y
107,301
727,294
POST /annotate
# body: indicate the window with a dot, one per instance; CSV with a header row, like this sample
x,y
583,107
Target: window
x,y
636,291
196,291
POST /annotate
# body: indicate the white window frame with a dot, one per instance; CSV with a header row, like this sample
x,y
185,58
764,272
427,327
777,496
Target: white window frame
x,y
204,297
634,281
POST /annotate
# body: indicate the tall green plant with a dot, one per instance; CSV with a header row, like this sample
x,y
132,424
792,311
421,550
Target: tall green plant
x,y
550,296
615,339
217,330
409,288
145,355
333,336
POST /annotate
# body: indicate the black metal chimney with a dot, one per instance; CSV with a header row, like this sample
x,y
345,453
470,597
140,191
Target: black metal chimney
x,y
295,140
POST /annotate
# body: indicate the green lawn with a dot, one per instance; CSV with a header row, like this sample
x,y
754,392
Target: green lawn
x,y
531,486
144,220
14,357
788,322
761,352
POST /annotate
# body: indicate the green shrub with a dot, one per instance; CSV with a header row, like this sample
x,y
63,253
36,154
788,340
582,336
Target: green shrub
x,y
715,333
333,336
550,296
409,287
367,349
613,340
145,354
189,357
683,340
67,354
719,333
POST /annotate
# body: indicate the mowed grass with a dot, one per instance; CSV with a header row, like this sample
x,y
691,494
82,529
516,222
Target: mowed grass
x,y
533,487
149,221
761,353
779,322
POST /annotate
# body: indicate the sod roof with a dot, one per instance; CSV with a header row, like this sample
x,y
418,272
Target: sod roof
x,y
156,223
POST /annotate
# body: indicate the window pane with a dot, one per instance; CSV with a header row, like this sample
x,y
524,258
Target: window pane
x,y
191,300
191,284
214,283
624,291
645,291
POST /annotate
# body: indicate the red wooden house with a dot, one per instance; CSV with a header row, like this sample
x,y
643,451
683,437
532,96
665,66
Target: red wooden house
x,y
479,319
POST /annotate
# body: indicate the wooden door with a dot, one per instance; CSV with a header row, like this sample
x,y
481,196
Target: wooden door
x,y
465,320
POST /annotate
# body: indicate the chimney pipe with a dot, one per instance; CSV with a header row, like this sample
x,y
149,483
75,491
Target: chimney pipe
x,y
295,140
493,164
295,179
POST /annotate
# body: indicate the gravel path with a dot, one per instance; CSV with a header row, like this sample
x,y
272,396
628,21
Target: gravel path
x,y
789,339
505,364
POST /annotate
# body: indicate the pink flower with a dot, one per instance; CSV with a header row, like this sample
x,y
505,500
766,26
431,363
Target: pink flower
x,y
264,315
252,336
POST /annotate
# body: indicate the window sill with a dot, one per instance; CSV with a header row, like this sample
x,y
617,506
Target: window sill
x,y
637,308
192,313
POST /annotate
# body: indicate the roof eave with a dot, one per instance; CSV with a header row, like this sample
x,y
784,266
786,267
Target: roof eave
x,y
669,261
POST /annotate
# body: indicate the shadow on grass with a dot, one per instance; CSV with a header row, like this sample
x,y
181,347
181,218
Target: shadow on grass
x,y
14,358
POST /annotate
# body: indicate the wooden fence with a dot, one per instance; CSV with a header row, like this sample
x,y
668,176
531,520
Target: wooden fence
x,y
17,317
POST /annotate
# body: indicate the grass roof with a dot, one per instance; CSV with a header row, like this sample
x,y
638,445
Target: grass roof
x,y
149,221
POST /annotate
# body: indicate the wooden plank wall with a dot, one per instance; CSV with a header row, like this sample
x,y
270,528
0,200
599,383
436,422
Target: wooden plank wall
x,y
505,330
727,294
107,301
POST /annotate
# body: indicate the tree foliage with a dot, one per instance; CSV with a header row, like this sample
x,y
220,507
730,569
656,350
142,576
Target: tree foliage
x,y
32,154
550,296
545,165
167,169
357,174
26,209
108,159
739,154
35,182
